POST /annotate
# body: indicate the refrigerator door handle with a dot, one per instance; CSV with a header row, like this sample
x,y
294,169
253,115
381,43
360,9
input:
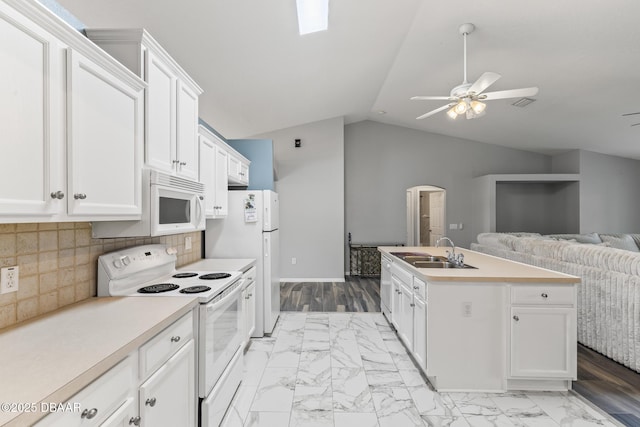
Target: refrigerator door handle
x,y
266,247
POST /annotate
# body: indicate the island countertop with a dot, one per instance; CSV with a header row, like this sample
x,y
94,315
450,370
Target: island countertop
x,y
488,268
52,357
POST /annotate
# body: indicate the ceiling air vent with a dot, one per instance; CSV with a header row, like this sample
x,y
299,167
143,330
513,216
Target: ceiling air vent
x,y
523,102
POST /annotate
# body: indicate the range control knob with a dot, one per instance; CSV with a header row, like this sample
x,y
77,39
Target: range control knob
x,y
126,260
117,263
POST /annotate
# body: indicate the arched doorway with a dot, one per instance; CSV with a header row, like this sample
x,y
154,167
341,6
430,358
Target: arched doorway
x,y
426,219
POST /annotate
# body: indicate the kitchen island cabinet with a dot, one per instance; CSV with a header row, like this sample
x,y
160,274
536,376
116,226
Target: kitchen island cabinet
x,y
497,327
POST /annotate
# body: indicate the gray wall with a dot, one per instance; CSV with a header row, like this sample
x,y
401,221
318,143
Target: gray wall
x,y
311,188
609,193
382,161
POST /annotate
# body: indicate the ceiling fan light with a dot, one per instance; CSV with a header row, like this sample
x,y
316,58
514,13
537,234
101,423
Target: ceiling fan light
x,y
478,107
451,113
461,107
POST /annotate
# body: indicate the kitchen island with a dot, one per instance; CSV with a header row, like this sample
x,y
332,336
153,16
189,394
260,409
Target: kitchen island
x,y
495,325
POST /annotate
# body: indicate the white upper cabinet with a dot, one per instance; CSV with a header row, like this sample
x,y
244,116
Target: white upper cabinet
x,y
72,122
213,173
171,135
238,169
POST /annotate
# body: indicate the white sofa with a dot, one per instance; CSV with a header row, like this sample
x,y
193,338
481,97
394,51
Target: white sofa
x,y
609,293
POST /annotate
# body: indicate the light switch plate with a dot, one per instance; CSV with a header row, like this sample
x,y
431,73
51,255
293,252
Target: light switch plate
x,y
9,279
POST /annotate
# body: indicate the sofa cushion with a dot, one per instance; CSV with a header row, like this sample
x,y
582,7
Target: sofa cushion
x,y
621,242
580,238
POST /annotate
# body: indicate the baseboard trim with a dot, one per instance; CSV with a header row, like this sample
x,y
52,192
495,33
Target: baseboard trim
x,y
312,279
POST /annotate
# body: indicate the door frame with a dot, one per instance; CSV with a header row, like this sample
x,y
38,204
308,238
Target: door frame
x,y
413,212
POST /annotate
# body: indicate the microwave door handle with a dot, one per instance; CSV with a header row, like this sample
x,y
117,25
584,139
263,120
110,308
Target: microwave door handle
x,y
198,209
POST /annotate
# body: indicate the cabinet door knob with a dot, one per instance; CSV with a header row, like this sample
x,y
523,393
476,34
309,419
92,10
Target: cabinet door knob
x,y
416,287
57,195
151,402
175,339
80,196
516,318
175,161
135,421
544,295
412,305
89,413
183,163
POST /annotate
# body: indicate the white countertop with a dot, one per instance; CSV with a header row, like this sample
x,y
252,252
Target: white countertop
x,y
488,268
52,357
220,264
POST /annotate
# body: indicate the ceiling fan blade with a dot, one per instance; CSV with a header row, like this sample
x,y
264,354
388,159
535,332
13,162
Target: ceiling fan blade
x,y
436,111
512,93
483,82
430,98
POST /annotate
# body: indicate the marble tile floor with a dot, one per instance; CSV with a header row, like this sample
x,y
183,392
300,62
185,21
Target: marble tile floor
x,y
350,370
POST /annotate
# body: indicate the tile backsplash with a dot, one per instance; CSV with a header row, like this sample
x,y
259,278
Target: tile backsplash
x,y
58,264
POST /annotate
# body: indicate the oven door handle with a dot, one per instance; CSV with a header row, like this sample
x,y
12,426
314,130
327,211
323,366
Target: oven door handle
x,y
231,295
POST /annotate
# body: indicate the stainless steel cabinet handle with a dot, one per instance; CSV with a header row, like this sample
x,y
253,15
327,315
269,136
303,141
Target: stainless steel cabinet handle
x,y
175,161
544,295
175,339
412,305
80,196
134,421
57,195
201,197
516,318
183,163
416,287
151,402
89,413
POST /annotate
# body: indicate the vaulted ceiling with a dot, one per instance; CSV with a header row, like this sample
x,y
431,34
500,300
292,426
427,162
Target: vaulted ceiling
x,y
260,75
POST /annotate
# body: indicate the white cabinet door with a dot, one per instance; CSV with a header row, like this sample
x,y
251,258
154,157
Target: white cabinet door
x,y
104,137
244,173
249,311
160,114
168,397
187,121
406,316
31,86
543,342
234,168
385,287
208,174
420,332
125,416
222,183
395,302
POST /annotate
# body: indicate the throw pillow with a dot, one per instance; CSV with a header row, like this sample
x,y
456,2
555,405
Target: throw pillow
x,y
623,242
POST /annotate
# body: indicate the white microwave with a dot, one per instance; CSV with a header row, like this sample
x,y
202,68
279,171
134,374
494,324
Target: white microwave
x,y
170,205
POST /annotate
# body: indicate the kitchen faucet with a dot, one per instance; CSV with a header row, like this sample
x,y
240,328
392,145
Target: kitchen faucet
x,y
458,259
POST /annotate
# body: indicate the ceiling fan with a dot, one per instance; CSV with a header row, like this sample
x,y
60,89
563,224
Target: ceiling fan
x,y
467,98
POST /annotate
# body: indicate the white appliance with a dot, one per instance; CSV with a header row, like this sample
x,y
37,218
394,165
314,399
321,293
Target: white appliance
x,y
170,205
150,271
250,230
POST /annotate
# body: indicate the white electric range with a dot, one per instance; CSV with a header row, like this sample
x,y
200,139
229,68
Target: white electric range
x,y
150,270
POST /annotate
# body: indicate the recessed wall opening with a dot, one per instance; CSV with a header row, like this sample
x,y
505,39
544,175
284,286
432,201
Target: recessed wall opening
x,y
426,205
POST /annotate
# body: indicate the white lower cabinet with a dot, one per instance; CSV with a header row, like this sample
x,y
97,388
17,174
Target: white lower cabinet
x,y
395,302
543,342
167,398
420,332
405,330
129,394
249,310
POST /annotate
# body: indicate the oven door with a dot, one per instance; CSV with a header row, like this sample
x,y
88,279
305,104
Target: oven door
x,y
175,210
220,336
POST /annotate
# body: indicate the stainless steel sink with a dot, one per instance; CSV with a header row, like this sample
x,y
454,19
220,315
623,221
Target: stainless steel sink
x,y
422,260
437,264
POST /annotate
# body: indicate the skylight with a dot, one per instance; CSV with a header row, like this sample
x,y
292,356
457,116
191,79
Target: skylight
x,y
313,15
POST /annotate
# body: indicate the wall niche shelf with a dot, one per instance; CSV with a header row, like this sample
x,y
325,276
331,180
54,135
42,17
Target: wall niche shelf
x,y
540,203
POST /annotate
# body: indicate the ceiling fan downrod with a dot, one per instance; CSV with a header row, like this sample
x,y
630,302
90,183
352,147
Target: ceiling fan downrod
x,y
465,29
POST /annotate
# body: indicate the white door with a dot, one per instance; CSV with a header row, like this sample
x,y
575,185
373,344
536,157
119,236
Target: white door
x,y
160,114
271,279
105,142
436,214
168,397
30,113
187,122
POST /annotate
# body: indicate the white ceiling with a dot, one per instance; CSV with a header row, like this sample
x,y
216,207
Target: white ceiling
x,y
259,75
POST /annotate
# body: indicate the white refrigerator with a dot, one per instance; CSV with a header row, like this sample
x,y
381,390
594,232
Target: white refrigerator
x,y
250,230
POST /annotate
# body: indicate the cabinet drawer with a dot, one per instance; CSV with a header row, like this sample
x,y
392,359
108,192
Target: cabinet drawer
x,y
161,347
420,288
99,399
542,295
403,276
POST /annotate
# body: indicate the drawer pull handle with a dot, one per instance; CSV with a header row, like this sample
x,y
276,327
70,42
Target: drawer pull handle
x,y
412,305
150,402
416,287
135,421
516,318
544,295
89,413
175,339
79,196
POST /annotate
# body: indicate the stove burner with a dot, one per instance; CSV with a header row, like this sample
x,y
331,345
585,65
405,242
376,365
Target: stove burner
x,y
194,289
214,276
184,275
156,289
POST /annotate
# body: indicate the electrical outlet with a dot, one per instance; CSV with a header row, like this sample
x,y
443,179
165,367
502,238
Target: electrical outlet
x,y
466,309
187,243
453,226
294,261
9,279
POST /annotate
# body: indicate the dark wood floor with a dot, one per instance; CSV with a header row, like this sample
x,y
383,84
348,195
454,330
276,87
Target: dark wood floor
x,y
356,294
611,386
